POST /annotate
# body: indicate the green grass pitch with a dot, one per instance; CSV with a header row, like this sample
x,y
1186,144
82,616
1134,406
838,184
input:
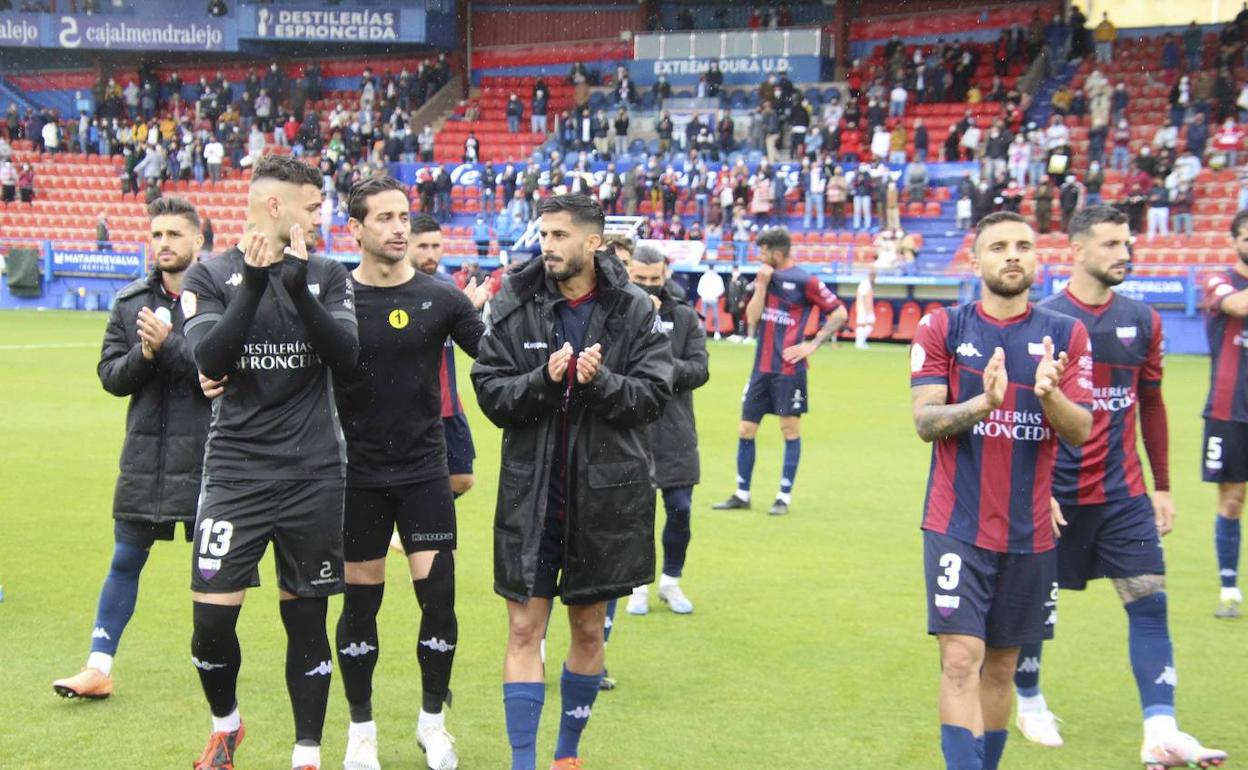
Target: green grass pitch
x,y
807,649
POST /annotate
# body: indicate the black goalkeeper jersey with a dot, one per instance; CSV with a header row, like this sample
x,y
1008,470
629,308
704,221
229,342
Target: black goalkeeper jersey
x,y
275,333
391,403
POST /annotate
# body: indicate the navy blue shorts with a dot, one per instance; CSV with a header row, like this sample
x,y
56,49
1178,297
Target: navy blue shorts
x,y
1006,599
143,534
460,451
1224,452
1110,540
784,395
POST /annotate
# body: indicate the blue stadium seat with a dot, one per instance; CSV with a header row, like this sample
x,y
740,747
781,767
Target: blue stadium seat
x,y
652,147
637,146
597,101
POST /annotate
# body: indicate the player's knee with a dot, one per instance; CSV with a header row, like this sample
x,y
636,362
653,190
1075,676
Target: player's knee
x,y
128,560
791,432
525,633
436,591
999,669
587,630
461,483
747,430
365,572
1231,502
959,662
1141,587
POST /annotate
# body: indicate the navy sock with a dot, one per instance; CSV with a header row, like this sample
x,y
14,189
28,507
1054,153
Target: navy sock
x,y
522,703
959,748
117,597
1226,537
676,534
745,463
610,622
578,692
1027,675
994,747
1152,655
792,454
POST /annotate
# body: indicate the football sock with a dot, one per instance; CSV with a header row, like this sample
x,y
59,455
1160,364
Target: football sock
x,y
522,702
305,754
994,747
309,664
1226,537
578,692
958,746
1152,655
439,630
117,598
860,335
792,454
228,723
676,537
1027,675
609,623
216,655
745,467
356,640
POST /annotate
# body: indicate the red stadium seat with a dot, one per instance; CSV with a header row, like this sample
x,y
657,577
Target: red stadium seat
x,y
883,328
908,321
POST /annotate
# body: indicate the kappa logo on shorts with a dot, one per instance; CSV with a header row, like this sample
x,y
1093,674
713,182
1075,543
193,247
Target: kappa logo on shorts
x,y
431,536
208,568
946,605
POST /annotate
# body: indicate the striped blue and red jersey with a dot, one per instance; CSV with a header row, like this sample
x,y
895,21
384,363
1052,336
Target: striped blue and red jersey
x,y
451,405
791,296
1228,350
990,486
1127,349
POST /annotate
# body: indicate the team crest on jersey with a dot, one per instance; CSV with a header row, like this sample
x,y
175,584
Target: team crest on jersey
x,y
1126,334
189,304
398,318
314,289
1035,350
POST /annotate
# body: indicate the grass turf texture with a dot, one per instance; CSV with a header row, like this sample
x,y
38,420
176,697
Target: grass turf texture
x,y
807,649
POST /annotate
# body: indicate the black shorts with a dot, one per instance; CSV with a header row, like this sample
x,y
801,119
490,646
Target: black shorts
x,y
460,451
143,534
238,519
1224,452
423,513
1006,599
784,395
1113,540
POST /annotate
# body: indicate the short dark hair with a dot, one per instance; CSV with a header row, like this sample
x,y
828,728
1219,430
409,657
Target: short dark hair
x,y
173,207
285,168
1239,221
423,223
361,191
649,255
583,209
995,218
621,241
775,238
1101,214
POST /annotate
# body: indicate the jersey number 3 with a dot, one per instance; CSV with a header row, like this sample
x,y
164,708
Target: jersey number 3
x,y
952,564
214,539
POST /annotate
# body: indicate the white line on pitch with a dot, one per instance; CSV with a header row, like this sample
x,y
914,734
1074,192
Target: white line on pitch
x,y
49,345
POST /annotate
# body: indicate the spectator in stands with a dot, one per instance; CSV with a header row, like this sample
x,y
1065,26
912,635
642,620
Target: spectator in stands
x,y
26,183
1121,155
426,143
514,112
799,129
661,90
996,150
625,90
1057,140
472,148
837,196
969,143
714,80
442,194
897,144
1093,181
762,196
1012,196
664,129
1018,158
1170,53
539,106
892,206
916,178
1057,42
983,201
814,186
1181,100
620,124
1198,135
481,236
863,188
1181,202
52,136
897,101
1191,46
1070,198
1228,140
214,154
920,139
600,130
1043,195
1241,179
1061,99
741,229
1079,37
578,73
102,241
1186,168
1158,209
1105,35
1078,104
880,143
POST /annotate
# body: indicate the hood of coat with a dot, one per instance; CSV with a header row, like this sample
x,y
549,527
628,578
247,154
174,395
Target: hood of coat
x,y
524,284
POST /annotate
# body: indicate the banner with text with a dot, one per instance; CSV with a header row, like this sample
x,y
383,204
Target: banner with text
x,y
320,24
96,263
738,70
134,33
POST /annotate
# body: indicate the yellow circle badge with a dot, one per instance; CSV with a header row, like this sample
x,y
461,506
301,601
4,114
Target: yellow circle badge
x,y
398,318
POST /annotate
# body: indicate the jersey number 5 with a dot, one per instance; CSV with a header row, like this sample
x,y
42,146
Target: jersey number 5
x,y
1213,453
952,564
214,539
